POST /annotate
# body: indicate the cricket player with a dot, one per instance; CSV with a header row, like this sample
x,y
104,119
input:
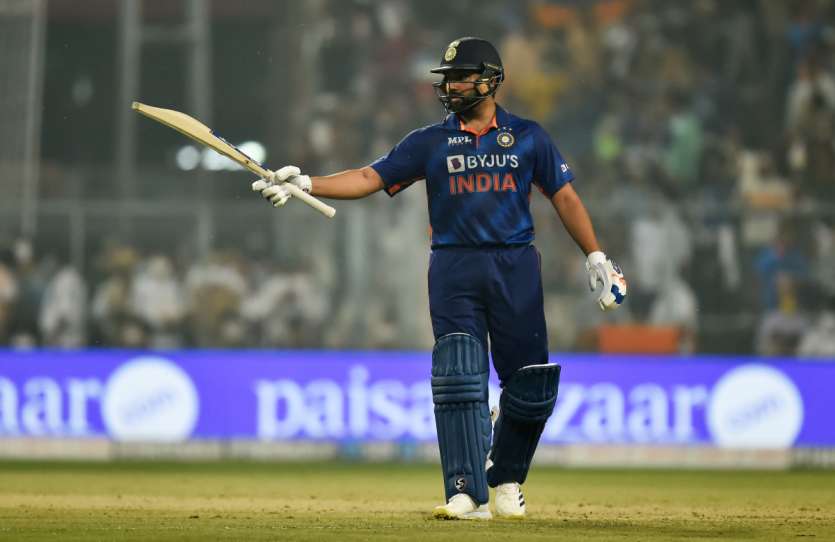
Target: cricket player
x,y
480,166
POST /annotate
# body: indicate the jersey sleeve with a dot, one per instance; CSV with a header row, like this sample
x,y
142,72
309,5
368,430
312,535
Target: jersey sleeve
x,y
405,163
551,172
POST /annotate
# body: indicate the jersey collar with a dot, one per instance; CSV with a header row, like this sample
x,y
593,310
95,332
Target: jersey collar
x,y
464,128
499,119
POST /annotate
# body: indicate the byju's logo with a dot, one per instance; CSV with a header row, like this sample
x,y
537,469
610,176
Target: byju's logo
x,y
459,162
455,164
755,406
152,399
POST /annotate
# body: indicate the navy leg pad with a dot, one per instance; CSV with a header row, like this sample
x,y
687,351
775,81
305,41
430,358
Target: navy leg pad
x,y
460,371
527,401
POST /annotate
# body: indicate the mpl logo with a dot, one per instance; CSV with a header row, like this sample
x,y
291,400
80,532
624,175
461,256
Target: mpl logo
x,y
755,406
455,164
151,399
458,140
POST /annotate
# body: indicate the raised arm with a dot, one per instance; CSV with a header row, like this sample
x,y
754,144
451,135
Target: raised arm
x,y
406,161
349,184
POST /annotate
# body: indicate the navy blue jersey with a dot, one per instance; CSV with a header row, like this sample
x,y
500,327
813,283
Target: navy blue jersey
x,y
478,186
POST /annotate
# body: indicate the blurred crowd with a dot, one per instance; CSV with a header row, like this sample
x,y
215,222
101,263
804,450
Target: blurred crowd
x,y
702,134
135,301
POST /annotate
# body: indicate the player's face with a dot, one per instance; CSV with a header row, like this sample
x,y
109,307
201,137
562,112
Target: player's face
x,y
460,83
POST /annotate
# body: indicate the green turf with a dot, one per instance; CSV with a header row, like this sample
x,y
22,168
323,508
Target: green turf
x,y
265,501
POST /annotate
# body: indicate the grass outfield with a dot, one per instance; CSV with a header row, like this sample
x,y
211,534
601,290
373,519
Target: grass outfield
x,y
287,501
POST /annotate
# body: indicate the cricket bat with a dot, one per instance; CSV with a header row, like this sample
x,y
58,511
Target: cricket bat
x,y
201,133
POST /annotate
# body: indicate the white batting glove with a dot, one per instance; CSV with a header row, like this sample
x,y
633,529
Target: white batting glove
x,y
272,189
603,270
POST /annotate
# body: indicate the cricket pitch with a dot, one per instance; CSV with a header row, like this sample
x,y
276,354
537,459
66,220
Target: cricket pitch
x,y
357,501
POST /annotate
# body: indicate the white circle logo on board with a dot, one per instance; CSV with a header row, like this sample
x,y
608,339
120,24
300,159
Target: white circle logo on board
x,y
755,406
151,399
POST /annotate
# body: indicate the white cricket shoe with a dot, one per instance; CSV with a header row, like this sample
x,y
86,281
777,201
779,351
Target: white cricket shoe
x,y
462,506
510,503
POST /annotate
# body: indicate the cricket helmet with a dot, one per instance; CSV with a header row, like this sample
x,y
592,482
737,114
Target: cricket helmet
x,y
469,54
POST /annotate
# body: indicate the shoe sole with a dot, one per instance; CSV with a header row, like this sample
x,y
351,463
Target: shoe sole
x,y
444,514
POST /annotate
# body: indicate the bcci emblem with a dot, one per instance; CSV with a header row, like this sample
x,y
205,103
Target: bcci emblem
x,y
460,484
451,51
504,139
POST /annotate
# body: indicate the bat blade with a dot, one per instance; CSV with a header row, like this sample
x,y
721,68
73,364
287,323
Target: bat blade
x,y
196,130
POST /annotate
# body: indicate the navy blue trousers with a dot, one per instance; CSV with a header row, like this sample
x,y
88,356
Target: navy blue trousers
x,y
495,293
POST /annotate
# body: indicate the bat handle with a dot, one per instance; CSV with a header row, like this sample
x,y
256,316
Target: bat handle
x,y
319,205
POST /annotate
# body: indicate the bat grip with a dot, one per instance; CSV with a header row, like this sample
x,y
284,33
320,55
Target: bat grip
x,y
319,205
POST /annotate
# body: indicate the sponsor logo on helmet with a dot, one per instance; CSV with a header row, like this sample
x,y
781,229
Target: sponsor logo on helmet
x,y
505,139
